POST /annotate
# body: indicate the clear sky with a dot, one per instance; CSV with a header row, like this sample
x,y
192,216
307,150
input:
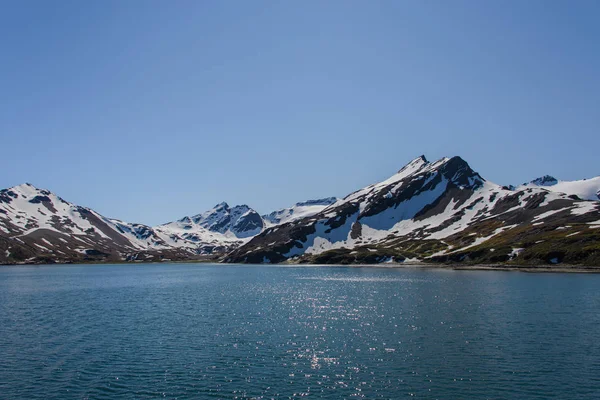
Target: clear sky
x,y
151,110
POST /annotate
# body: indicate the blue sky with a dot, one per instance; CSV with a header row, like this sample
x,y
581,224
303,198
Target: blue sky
x,y
151,110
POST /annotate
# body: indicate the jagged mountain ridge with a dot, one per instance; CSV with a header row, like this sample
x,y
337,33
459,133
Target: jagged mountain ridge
x,y
440,211
230,224
233,226
240,221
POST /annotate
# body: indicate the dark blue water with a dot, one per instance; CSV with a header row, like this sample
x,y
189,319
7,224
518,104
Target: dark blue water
x,y
200,331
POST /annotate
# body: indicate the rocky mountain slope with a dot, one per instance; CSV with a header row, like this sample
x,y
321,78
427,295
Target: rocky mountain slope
x,y
38,226
437,212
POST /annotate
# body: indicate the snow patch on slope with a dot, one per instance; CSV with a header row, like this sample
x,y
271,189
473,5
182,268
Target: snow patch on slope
x,y
299,210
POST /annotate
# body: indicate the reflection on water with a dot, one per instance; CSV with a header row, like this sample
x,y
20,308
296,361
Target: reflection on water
x,y
185,331
356,279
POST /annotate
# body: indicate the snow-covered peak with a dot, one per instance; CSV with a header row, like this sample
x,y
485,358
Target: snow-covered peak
x,y
221,206
455,168
27,210
414,165
27,190
233,222
26,196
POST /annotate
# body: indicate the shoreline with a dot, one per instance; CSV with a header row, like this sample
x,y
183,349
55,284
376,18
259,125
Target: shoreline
x,y
470,267
542,268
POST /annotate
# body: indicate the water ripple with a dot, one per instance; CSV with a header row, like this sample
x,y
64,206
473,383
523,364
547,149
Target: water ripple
x,y
198,331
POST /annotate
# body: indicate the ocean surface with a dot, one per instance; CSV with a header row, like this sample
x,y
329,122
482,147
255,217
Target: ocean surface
x,y
235,332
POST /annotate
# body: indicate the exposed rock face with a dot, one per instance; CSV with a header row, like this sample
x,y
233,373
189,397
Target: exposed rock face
x,y
248,224
545,180
436,212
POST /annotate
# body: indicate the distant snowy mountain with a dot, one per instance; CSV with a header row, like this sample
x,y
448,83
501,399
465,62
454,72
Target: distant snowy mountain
x,y
297,211
440,211
237,222
217,230
586,189
224,228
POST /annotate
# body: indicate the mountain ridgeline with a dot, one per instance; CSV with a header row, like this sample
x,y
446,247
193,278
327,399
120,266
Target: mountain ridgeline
x,y
432,212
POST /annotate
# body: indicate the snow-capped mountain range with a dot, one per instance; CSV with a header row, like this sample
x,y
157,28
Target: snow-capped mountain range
x,y
37,225
428,211
439,212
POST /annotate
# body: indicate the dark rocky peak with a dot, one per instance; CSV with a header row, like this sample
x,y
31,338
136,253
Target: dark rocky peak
x,y
423,180
545,180
251,222
454,169
460,173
